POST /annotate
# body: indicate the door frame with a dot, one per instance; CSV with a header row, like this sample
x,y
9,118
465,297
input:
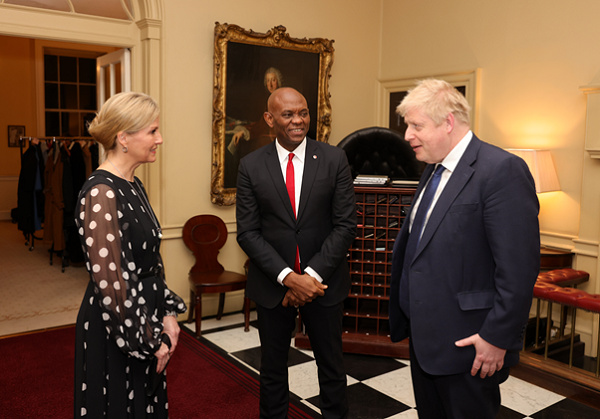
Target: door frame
x,y
142,36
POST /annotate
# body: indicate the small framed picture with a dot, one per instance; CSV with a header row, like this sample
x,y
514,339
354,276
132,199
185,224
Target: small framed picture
x,y
14,133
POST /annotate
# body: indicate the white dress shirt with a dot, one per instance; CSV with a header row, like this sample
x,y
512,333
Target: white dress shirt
x,y
450,162
298,162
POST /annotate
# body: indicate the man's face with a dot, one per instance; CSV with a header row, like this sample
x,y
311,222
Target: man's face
x,y
271,82
430,143
288,116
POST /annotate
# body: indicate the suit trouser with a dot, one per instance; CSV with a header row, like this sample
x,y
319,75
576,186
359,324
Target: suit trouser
x,y
459,396
324,329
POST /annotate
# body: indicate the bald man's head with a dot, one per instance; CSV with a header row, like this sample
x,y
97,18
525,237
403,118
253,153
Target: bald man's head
x,y
288,116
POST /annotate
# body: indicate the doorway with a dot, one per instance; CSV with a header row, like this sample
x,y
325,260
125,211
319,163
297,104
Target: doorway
x,y
41,295
36,27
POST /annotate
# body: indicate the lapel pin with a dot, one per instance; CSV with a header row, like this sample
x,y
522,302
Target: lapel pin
x,y
314,156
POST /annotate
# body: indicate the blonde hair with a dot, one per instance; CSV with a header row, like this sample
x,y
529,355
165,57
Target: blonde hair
x,y
126,112
437,98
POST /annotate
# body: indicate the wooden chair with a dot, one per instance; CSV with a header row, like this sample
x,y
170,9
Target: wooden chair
x,y
205,235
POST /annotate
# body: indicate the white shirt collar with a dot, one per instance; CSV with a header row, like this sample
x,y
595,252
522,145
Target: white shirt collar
x,y
452,159
299,152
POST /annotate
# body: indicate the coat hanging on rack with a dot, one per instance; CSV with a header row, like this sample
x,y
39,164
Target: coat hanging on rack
x,y
53,225
55,178
30,190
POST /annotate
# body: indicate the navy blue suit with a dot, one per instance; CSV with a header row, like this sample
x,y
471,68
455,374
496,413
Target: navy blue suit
x,y
476,263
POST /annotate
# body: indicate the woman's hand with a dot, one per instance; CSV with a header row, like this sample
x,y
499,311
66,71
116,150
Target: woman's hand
x,y
162,356
164,353
171,327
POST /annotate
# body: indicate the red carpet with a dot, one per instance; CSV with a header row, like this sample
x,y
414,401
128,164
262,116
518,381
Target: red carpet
x,y
36,380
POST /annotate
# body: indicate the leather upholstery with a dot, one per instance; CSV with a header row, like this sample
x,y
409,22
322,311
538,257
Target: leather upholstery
x,y
381,151
564,277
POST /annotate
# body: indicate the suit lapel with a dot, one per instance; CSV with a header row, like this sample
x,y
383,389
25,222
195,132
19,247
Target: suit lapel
x,y
463,172
311,164
274,168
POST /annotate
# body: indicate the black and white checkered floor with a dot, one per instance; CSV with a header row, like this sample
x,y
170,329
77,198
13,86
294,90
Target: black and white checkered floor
x,y
380,387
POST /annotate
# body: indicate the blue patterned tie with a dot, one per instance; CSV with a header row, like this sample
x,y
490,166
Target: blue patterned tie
x,y
415,234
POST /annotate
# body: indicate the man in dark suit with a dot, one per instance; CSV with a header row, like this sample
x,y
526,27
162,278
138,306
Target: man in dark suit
x,y
296,220
465,262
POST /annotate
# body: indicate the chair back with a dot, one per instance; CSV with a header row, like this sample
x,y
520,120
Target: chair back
x,y
381,151
205,235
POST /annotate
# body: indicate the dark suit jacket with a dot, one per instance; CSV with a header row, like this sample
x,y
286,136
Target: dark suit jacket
x,y
268,231
476,263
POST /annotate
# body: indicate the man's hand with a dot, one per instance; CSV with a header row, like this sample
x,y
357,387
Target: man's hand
x,y
236,137
488,358
305,287
290,300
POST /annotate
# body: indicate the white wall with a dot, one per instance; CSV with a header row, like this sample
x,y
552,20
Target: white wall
x,y
533,55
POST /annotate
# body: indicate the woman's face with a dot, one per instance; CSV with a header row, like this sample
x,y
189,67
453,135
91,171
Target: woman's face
x,y
142,145
271,82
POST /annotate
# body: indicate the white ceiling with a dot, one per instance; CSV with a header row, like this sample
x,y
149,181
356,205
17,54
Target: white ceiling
x,y
116,9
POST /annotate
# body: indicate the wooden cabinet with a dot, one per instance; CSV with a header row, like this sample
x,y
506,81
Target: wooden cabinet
x,y
555,259
381,212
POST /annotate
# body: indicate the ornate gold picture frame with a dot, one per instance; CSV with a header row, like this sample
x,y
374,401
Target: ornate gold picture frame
x,y
247,67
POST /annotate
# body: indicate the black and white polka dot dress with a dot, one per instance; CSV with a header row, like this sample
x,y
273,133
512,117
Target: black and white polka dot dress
x,y
120,319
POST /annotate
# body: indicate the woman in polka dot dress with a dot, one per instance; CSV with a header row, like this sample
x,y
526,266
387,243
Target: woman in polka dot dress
x,y
127,326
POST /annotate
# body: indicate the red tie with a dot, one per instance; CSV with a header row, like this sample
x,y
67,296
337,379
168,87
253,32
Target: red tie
x,y
290,186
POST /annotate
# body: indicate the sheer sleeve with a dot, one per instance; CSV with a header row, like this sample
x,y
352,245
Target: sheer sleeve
x,y
173,303
112,269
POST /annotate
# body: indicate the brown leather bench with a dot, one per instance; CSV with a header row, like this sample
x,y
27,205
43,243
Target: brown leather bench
x,y
566,277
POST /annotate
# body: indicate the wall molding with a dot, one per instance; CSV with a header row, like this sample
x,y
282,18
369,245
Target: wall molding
x,y
470,79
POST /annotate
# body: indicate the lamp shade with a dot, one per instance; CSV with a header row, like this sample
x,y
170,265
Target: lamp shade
x,y
542,168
